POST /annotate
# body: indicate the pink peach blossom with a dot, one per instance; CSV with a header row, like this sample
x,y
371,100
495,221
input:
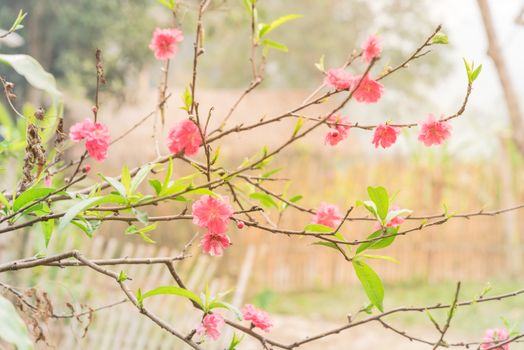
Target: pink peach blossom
x,y
341,126
327,215
96,135
385,135
211,326
433,131
368,91
258,318
184,136
494,336
339,79
215,243
213,213
371,48
164,42
48,181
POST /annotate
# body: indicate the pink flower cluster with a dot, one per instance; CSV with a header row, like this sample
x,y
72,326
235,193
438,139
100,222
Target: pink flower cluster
x,y
214,214
164,42
368,90
371,48
96,135
434,132
327,215
340,127
184,137
494,336
385,135
211,326
258,318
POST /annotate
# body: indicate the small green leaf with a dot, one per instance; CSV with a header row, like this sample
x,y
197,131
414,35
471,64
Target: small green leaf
x,y
326,244
277,23
169,173
122,276
234,342
117,185
379,196
170,4
318,228
187,99
271,172
157,186
223,305
142,232
125,179
275,45
298,126
265,199
371,282
174,291
475,73
47,230
381,257
296,198
440,38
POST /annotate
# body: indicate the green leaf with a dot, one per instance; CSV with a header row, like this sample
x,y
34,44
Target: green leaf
x,y
12,328
369,205
371,282
234,342
298,126
170,4
440,38
33,72
265,199
379,196
381,243
175,291
31,195
17,24
271,172
47,229
223,305
125,179
381,257
266,29
275,45
117,185
187,99
84,205
326,244
122,276
141,216
179,185
139,178
157,186
169,173
88,226
296,198
142,232
475,73
318,228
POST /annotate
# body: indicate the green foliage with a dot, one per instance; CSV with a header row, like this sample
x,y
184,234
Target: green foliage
x,y
440,38
234,342
381,243
379,196
371,282
164,290
264,199
471,71
12,328
317,228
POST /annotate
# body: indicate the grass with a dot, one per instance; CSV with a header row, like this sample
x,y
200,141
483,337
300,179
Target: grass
x,y
334,304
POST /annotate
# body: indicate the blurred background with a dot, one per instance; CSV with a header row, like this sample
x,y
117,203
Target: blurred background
x,y
308,288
